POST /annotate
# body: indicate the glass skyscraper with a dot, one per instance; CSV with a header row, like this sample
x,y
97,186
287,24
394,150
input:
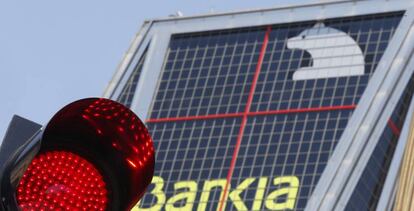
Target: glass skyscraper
x,y
301,107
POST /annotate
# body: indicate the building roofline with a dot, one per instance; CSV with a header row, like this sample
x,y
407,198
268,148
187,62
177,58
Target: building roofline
x,y
245,11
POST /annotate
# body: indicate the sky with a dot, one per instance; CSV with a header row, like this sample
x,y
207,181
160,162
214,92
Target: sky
x,y
55,52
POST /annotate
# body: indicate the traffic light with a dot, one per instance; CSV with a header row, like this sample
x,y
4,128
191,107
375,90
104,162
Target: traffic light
x,y
94,154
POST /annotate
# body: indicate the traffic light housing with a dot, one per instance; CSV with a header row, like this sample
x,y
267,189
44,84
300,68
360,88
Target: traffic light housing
x,y
94,154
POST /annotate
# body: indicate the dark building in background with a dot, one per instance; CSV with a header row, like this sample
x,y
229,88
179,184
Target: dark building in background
x,y
293,108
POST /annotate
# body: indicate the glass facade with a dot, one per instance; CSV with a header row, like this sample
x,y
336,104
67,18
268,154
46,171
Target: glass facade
x,y
128,91
247,119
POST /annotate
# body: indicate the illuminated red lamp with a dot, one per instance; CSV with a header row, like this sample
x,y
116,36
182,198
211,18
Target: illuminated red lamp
x,y
90,158
62,180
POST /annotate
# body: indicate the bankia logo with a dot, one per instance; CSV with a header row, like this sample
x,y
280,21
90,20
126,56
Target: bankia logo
x,y
282,198
334,53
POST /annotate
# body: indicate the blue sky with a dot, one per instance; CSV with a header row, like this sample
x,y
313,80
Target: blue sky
x,y
54,52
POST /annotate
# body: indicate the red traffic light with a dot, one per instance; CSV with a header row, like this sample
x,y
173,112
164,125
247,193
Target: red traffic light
x,y
94,154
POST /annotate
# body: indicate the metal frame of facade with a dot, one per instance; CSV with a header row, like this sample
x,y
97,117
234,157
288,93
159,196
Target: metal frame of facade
x,y
364,128
390,186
